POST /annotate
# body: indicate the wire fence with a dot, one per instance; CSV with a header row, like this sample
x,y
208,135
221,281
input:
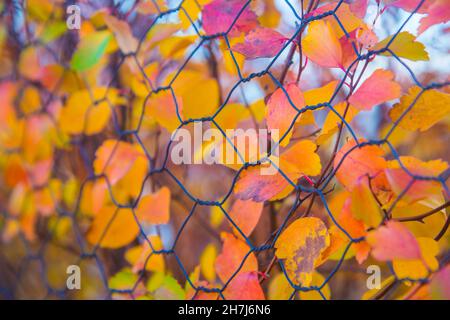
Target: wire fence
x,y
35,252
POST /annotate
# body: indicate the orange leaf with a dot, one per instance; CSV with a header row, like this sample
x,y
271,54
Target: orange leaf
x,y
322,46
113,228
233,253
114,159
297,161
163,108
358,162
245,214
154,208
355,229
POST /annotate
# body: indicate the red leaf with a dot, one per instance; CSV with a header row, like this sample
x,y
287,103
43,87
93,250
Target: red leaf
x,y
261,43
219,15
244,286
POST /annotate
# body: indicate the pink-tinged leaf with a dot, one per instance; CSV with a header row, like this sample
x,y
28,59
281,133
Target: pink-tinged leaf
x,y
280,113
378,88
411,189
261,43
408,5
439,12
359,7
245,286
393,241
220,15
440,284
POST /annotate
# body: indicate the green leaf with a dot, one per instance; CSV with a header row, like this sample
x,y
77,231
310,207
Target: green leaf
x,y
90,50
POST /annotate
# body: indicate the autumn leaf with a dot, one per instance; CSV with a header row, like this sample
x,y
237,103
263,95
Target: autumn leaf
x,y
253,185
424,190
113,228
165,110
192,89
377,89
154,207
355,228
420,112
142,256
297,161
230,258
393,241
123,34
279,288
314,97
114,159
333,121
245,215
439,285
364,206
207,260
88,112
300,245
244,286
219,16
405,46
317,281
90,50
280,113
438,12
352,163
261,43
322,46
419,268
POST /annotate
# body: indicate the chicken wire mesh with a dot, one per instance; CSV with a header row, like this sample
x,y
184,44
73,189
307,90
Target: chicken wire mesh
x,y
29,265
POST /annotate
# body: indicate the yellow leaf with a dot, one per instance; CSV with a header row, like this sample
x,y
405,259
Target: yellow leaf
x,y
317,281
314,97
404,46
82,114
429,108
301,246
175,47
419,268
198,93
31,100
368,295
279,288
330,126
364,206
207,259
143,255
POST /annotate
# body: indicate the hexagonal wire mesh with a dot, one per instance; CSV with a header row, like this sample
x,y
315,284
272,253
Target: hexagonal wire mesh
x,y
36,253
